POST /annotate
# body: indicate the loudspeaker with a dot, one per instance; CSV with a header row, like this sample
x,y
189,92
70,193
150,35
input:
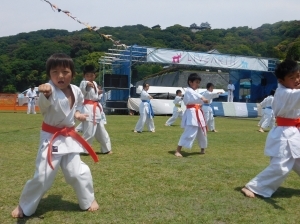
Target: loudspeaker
x,y
263,82
134,74
115,81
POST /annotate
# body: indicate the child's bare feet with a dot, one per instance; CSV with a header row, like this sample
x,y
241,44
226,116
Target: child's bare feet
x,y
248,193
261,130
94,206
178,154
214,131
110,152
17,212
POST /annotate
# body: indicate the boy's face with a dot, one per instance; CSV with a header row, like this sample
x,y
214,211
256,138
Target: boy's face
x,y
179,94
210,89
89,76
61,77
146,88
291,81
195,84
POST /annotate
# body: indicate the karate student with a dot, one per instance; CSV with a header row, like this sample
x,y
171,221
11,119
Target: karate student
x,y
146,111
268,119
207,109
31,94
93,126
193,120
177,111
59,102
282,144
230,89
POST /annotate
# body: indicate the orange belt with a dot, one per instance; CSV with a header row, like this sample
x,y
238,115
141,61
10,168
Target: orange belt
x,y
282,121
96,104
67,131
197,109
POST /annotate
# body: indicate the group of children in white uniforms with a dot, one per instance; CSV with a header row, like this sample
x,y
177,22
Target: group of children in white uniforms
x,y
60,102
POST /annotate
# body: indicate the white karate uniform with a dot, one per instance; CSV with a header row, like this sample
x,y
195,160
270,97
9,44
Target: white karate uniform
x,y
268,119
230,89
177,111
192,128
207,109
145,115
262,117
31,94
56,112
89,129
282,145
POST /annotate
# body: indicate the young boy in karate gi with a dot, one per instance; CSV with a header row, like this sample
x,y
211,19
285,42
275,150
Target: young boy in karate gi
x,y
31,94
268,119
207,109
146,111
282,144
193,120
59,102
93,126
177,111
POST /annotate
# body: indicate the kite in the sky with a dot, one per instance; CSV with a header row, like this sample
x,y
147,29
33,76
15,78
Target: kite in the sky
x,y
91,28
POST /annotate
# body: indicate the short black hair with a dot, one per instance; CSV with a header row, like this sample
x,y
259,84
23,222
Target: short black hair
x,y
208,85
89,69
145,84
285,68
192,77
178,91
60,59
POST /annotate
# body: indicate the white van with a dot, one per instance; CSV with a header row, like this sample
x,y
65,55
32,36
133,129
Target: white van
x,y
23,99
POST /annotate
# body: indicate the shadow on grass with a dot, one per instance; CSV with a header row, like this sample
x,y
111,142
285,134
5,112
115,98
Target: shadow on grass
x,y
51,203
282,192
186,154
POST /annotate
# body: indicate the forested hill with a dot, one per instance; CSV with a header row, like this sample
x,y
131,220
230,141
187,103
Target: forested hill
x,y
23,56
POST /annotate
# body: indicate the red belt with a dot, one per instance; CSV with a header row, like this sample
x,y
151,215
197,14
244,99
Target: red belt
x,y
282,121
67,131
197,109
96,104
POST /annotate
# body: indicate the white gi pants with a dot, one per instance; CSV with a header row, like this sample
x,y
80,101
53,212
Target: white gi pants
x,y
190,133
89,131
175,115
230,96
268,119
31,106
209,117
145,118
76,173
268,181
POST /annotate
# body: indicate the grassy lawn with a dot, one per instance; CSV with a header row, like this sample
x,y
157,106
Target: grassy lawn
x,y
143,182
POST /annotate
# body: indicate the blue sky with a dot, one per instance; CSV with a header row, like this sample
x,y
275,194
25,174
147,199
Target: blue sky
x,y
19,16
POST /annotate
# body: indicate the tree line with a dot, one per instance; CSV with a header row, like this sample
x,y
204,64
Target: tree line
x,y
23,56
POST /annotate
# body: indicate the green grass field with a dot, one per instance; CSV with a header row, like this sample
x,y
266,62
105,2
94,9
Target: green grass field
x,y
143,182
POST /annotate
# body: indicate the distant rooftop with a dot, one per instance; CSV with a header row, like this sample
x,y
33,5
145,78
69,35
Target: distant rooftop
x,y
203,26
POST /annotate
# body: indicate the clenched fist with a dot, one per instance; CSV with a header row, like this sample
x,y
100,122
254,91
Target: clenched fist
x,y
45,89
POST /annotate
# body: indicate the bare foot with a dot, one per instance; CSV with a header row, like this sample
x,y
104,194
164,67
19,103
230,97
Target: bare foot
x,y
248,193
214,130
152,131
94,206
17,212
110,152
135,131
261,130
167,125
178,154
